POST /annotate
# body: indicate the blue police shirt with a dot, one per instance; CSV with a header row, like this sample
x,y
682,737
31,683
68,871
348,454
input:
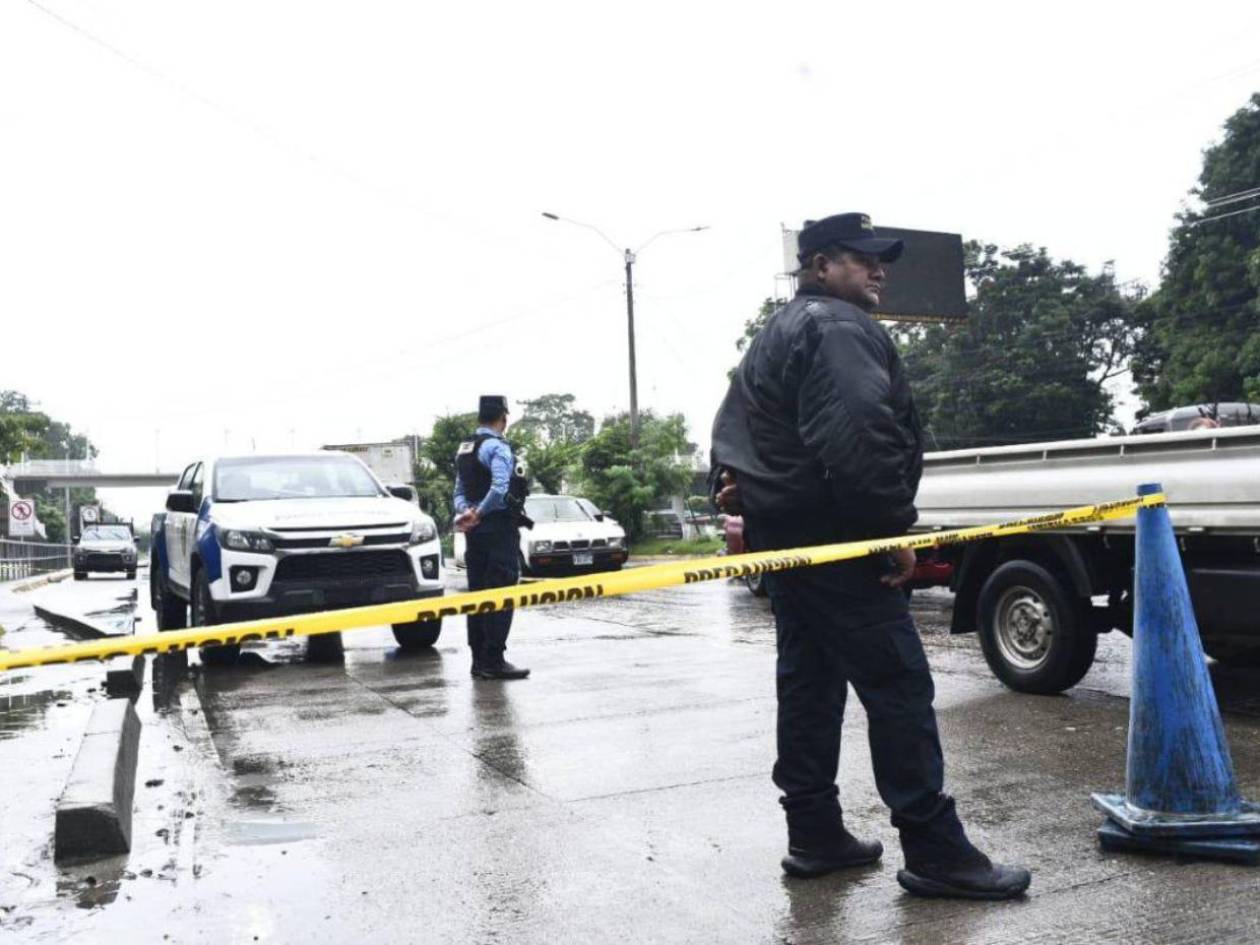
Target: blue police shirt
x,y
495,455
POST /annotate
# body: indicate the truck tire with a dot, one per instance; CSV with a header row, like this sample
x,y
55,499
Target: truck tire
x,y
80,575
170,611
131,575
1034,633
418,635
203,615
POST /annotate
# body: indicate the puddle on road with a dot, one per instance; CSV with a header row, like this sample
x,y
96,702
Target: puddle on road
x,y
266,832
93,884
22,712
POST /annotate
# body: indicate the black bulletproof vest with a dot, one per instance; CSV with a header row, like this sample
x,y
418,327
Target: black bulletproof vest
x,y
475,475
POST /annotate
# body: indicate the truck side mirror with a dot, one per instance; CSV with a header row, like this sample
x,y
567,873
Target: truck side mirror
x,y
181,500
399,491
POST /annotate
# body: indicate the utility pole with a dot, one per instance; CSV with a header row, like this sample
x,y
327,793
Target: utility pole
x,y
634,381
629,256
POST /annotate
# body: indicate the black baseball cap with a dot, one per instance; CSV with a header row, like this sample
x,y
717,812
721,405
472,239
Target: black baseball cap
x,y
847,231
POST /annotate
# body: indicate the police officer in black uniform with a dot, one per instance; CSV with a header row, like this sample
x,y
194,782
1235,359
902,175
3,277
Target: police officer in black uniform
x,y
817,442
490,491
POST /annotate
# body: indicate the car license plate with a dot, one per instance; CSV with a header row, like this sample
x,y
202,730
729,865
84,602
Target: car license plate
x,y
583,557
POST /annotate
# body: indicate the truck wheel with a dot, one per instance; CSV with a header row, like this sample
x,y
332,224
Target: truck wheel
x,y
1033,631
417,635
80,575
757,584
203,616
131,575
171,612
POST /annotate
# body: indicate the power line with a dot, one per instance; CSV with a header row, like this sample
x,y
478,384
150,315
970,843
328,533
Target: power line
x,y
1222,216
1235,197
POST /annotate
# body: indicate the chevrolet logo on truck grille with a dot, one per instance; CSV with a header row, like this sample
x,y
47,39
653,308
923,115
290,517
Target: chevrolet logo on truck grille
x,y
348,540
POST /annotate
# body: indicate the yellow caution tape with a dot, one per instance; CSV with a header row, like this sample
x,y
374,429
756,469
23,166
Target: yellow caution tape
x,y
610,584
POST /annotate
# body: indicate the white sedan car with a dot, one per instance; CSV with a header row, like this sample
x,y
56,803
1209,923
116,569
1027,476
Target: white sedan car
x,y
569,535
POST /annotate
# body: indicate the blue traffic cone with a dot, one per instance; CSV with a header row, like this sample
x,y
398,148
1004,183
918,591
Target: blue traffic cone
x,y
1181,796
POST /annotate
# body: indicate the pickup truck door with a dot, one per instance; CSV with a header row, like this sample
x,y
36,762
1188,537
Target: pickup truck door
x,y
179,533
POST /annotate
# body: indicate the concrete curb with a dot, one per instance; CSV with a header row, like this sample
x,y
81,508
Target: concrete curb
x,y
51,578
94,810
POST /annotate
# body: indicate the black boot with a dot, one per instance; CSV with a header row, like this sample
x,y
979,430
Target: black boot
x,y
942,862
500,670
975,877
818,844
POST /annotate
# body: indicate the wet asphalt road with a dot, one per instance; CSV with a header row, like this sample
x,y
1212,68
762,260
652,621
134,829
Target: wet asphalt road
x,y
621,794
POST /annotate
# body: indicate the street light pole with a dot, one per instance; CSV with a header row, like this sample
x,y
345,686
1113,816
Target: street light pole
x,y
634,382
629,256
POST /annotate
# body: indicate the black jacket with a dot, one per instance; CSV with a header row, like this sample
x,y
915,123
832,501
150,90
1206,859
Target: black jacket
x,y
819,423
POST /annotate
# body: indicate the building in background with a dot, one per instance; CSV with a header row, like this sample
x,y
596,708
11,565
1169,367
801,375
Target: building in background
x,y
393,462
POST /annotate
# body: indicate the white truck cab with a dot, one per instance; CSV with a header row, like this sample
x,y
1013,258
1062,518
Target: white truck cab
x,y
257,536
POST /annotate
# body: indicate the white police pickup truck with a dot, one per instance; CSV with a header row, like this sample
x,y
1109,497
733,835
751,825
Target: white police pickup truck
x,y
244,537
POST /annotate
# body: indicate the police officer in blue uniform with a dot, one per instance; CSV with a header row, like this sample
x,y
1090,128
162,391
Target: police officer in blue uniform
x,y
490,494
818,441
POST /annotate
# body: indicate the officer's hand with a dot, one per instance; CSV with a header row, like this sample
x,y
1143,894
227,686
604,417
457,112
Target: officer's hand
x,y
467,520
903,561
728,496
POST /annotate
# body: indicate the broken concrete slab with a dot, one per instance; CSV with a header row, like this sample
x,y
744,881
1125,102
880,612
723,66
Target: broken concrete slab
x,y
79,626
94,811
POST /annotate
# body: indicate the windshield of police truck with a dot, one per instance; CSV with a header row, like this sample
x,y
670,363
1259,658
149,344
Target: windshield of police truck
x,y
106,533
259,478
556,509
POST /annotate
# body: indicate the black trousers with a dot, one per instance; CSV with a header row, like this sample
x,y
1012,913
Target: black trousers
x,y
838,625
492,556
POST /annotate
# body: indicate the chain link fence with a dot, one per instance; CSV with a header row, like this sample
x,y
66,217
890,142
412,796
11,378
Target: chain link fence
x,y
22,559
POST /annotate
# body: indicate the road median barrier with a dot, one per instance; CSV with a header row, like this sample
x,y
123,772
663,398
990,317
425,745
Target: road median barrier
x,y
94,811
557,591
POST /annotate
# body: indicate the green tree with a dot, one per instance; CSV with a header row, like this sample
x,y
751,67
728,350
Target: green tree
x,y
1201,339
548,462
435,468
555,419
20,433
1031,362
25,430
627,481
550,434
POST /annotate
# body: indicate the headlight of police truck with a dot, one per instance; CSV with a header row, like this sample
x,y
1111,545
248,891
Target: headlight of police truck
x,y
616,542
238,540
539,547
423,530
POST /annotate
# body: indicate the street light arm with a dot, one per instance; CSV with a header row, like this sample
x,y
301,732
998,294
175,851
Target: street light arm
x,y
602,235
685,229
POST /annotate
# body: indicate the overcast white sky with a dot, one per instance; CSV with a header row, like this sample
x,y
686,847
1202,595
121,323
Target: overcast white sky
x,y
274,224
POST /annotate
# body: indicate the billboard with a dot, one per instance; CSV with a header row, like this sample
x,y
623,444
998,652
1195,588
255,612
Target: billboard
x,y
924,285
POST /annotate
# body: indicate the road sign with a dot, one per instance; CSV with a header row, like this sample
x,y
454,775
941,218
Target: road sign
x,y
21,518
89,514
